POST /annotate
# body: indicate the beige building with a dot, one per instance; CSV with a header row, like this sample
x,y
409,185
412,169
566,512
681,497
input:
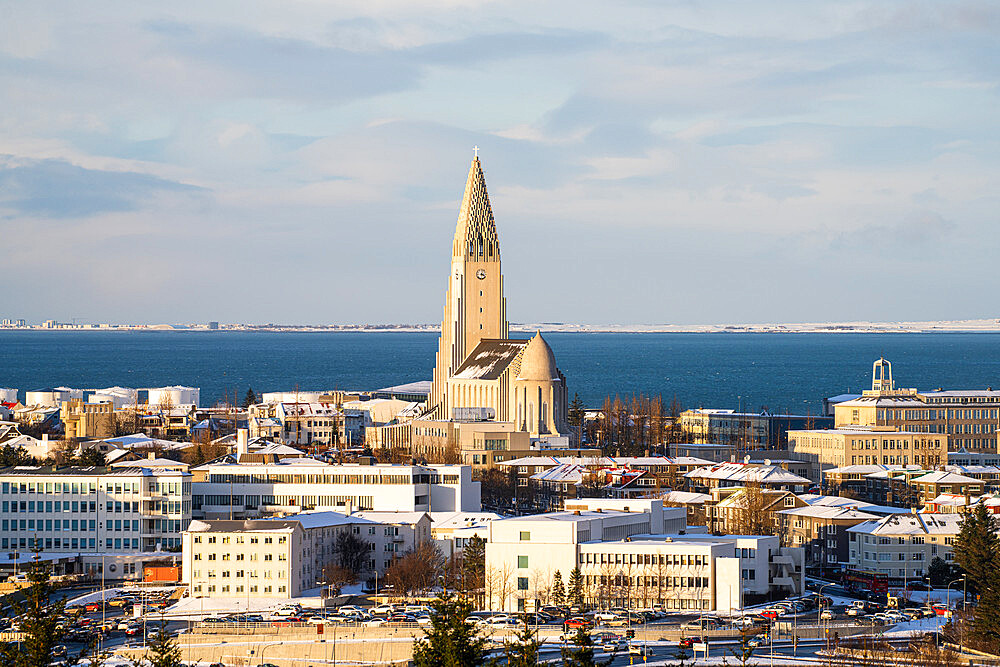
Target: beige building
x,y
269,558
968,418
862,445
902,546
87,420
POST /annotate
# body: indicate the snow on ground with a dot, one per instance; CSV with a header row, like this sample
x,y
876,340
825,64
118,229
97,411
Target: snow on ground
x,y
919,625
953,596
199,608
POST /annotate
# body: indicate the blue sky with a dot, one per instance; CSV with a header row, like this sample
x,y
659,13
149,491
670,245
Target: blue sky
x,y
648,162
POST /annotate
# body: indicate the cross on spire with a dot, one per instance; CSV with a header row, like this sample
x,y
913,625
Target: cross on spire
x,y
475,151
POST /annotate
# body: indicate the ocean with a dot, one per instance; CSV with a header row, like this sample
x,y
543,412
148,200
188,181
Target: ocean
x,y
779,372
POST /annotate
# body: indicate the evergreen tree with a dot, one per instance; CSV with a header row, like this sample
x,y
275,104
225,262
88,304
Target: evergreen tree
x,y
523,652
940,572
92,457
249,399
575,416
39,624
558,590
581,652
164,651
449,641
575,592
474,567
977,548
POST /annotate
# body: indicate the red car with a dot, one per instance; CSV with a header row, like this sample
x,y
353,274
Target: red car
x,y
686,642
93,606
577,623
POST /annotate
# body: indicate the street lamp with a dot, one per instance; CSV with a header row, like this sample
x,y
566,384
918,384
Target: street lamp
x,y
947,597
819,614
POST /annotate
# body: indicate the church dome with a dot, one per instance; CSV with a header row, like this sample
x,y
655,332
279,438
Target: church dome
x,y
537,361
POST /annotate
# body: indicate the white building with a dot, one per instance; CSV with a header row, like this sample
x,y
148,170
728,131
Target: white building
x,y
632,555
401,531
51,398
903,545
303,423
296,484
109,515
270,558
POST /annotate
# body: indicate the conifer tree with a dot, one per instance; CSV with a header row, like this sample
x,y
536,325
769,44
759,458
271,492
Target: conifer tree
x,y
977,549
575,592
164,651
250,398
40,622
450,641
558,590
523,652
581,652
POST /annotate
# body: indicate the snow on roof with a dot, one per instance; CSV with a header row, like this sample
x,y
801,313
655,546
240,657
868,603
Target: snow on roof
x,y
391,517
489,359
320,518
742,472
442,520
418,387
911,524
945,477
149,463
830,501
140,440
566,473
686,498
829,512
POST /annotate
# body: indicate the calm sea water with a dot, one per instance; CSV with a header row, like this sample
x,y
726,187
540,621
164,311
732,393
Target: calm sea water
x,y
780,371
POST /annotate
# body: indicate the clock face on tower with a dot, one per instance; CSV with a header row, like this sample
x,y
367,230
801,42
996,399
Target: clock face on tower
x,y
480,274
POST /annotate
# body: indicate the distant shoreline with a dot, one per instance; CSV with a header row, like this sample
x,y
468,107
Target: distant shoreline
x,y
949,326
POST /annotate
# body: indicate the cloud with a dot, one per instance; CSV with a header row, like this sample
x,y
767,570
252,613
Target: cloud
x,y
58,189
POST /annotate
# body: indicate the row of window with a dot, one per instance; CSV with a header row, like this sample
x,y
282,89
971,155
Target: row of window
x,y
238,539
239,589
253,557
643,559
240,574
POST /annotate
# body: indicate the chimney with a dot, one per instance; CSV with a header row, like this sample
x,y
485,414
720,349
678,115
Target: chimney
x,y
242,442
45,437
151,456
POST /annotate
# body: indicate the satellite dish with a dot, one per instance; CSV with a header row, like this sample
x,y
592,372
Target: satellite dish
x,y
767,462
746,459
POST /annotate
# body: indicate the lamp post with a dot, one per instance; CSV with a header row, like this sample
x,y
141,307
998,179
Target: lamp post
x,y
819,615
947,597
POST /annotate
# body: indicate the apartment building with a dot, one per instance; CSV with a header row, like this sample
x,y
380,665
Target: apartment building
x,y
902,545
969,418
297,423
87,420
821,531
624,563
247,490
744,431
868,445
110,514
271,558
766,476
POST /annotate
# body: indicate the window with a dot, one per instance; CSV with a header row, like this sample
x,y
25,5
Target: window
x,y
522,561
522,583
525,535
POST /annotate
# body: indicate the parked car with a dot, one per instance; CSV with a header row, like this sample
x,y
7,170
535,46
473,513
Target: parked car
x,y
700,624
613,645
578,622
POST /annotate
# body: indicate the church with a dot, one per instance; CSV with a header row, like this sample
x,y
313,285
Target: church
x,y
492,397
480,373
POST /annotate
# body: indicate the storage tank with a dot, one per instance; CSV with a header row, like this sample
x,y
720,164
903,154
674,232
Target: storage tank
x,y
176,395
119,396
8,395
273,397
52,397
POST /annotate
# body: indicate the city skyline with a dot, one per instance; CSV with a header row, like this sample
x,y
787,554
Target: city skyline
x,y
693,163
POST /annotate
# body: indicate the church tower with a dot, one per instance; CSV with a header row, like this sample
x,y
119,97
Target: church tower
x,y
474,307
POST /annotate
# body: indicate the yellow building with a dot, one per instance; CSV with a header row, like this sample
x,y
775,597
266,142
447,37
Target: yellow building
x,y
87,420
861,445
969,419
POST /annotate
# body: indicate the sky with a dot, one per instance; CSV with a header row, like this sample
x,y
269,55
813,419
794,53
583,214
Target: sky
x,y
648,162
